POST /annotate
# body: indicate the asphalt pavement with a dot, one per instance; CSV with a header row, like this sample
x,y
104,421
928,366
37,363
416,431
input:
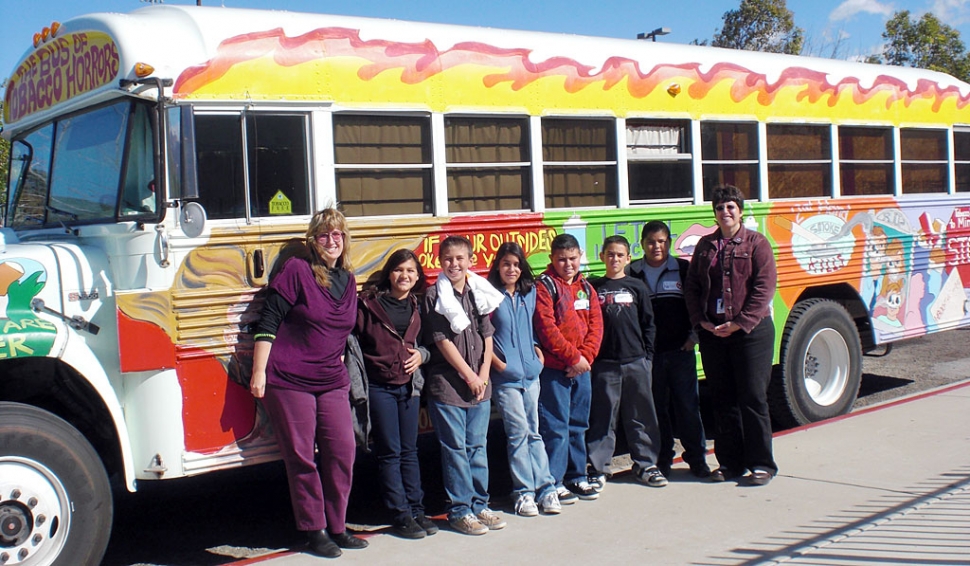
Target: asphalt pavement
x,y
887,484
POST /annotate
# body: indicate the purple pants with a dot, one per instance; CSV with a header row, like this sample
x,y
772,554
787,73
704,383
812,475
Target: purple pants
x,y
319,487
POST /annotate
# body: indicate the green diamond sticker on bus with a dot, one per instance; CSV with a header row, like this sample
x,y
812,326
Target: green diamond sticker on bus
x,y
279,204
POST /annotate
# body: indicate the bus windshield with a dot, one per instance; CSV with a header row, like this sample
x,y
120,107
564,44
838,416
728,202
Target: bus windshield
x,y
85,168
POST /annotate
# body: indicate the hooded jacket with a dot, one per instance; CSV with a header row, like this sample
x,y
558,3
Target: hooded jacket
x,y
385,351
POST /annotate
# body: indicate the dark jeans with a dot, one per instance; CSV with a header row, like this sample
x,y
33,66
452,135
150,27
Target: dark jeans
x,y
394,428
622,396
739,368
675,390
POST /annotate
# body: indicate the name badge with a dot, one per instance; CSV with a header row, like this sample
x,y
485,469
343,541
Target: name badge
x,y
720,306
623,298
671,285
581,304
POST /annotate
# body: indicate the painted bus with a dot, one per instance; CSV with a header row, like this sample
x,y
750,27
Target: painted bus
x,y
161,159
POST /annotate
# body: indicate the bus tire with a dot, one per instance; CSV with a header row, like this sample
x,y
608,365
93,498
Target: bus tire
x,y
820,365
55,499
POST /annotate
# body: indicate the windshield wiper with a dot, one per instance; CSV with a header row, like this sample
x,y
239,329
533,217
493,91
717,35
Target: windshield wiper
x,y
63,224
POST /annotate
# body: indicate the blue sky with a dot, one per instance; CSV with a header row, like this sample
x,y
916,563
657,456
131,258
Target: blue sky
x,y
852,25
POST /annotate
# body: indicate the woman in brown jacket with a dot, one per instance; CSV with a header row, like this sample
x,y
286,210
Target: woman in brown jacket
x,y
729,288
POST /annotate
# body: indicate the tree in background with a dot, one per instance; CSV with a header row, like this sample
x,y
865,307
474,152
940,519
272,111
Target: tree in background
x,y
926,43
760,25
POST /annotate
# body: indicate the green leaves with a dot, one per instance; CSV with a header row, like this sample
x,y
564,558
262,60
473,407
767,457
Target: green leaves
x,y
761,25
926,43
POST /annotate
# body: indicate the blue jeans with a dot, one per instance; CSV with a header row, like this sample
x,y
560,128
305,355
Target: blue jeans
x,y
622,396
675,390
563,420
528,461
462,433
394,416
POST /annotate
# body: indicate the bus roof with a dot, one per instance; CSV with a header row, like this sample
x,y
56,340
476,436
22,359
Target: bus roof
x,y
214,53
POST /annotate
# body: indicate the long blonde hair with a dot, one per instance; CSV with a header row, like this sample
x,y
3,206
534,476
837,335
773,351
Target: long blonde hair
x,y
324,221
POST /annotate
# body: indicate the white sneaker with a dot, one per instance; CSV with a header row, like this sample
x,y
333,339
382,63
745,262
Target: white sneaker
x,y
565,496
550,504
525,505
490,519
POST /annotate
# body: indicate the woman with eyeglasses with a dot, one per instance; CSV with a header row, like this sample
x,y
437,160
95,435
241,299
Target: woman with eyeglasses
x,y
298,372
729,288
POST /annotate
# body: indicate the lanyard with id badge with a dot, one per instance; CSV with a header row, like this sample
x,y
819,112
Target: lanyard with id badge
x,y
582,301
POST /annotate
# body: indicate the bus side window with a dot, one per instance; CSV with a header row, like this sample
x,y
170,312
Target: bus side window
x,y
276,158
278,167
138,190
28,196
218,146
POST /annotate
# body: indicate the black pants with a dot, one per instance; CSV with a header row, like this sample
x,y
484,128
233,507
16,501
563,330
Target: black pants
x,y
738,369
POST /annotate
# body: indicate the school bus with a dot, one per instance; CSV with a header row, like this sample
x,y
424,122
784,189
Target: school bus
x,y
161,159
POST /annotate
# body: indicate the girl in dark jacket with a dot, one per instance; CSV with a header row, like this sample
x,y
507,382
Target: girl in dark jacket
x,y
388,329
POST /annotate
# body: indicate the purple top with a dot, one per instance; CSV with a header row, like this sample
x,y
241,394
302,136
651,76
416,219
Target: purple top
x,y
312,338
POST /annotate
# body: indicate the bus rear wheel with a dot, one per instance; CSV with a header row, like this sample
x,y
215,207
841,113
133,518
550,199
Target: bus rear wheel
x,y
55,499
820,366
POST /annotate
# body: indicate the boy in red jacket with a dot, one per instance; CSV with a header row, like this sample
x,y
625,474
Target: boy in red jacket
x,y
569,326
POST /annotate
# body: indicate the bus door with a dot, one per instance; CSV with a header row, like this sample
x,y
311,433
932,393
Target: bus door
x,y
238,178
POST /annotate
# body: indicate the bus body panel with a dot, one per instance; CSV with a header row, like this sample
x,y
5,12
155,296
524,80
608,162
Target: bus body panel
x,y
176,310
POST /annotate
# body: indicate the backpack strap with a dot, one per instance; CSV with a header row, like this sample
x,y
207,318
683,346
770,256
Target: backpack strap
x,y
550,286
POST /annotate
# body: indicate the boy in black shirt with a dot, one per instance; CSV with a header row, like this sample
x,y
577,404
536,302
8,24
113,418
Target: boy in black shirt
x,y
621,373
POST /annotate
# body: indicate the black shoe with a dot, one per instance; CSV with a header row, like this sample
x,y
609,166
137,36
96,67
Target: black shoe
x,y
349,541
408,528
761,476
664,468
701,470
723,474
427,524
582,490
321,544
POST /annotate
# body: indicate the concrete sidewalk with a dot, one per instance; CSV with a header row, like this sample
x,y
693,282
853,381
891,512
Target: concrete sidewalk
x,y
889,484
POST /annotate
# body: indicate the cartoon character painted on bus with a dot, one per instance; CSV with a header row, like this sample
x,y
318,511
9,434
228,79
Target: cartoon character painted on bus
x,y
22,332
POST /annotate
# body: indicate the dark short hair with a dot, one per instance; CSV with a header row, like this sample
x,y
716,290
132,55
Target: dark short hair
x,y
564,242
395,259
616,240
526,278
727,193
455,242
654,226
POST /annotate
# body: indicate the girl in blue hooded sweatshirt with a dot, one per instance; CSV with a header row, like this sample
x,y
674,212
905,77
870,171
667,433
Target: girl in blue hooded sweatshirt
x,y
516,363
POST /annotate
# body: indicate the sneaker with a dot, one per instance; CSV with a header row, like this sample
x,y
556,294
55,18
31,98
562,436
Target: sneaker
x,y
597,482
664,468
491,520
549,503
427,524
408,528
565,496
467,525
525,505
652,477
583,490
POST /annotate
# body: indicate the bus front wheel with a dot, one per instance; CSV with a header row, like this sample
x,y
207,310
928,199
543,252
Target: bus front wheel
x,y
820,365
55,499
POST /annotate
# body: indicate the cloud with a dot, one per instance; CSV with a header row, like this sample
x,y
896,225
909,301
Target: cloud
x,y
953,12
849,8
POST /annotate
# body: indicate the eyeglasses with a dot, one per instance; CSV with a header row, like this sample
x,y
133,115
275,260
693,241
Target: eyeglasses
x,y
723,207
335,236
